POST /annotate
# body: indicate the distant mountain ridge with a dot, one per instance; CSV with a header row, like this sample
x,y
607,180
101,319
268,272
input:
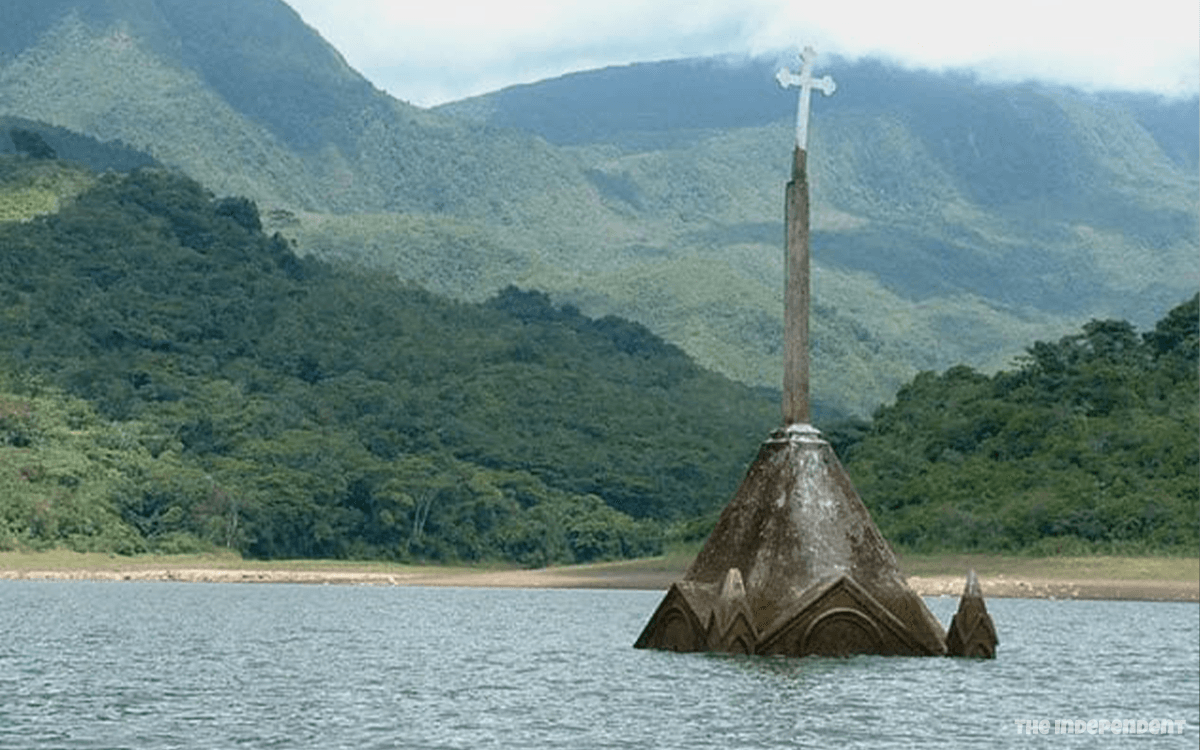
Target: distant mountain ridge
x,y
242,95
954,221
1048,155
609,104
256,54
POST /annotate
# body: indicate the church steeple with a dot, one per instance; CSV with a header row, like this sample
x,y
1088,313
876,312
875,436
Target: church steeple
x,y
796,565
796,357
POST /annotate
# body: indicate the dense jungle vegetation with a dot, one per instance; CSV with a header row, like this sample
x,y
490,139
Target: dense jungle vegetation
x,y
173,379
1091,443
176,379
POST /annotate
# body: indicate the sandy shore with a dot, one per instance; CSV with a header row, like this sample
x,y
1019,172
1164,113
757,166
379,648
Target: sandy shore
x,y
607,576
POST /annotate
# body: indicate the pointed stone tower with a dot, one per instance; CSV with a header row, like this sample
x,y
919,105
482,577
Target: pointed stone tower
x,y
795,565
972,633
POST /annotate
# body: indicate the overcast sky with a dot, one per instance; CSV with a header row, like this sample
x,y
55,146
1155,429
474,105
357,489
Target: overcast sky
x,y
432,51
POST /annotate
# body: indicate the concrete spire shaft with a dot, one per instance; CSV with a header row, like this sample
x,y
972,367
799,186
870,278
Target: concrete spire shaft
x,y
796,408
796,356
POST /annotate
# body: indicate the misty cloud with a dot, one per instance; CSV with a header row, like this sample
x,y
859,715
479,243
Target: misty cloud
x,y
433,52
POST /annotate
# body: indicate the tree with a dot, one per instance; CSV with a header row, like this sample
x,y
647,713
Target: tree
x,y
31,144
242,210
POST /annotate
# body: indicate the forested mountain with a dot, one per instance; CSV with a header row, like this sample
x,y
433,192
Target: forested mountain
x,y
955,221
175,379
1091,441
428,353
41,141
940,203
233,393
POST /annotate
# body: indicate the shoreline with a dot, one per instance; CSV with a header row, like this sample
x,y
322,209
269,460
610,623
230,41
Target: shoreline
x,y
638,575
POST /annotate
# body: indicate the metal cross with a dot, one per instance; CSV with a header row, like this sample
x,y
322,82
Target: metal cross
x,y
806,83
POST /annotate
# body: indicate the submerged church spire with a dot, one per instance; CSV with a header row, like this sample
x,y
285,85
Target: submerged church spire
x,y
796,356
795,564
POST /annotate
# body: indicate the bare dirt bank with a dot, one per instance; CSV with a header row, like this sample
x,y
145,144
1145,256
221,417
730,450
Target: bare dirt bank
x,y
1124,579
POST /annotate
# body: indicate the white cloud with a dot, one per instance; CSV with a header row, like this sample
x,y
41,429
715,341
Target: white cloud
x,y
429,52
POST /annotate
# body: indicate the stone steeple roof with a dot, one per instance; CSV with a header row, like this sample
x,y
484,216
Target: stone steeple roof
x,y
796,557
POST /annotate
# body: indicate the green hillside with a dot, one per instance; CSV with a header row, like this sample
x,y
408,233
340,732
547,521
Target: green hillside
x,y
29,189
235,394
954,221
174,379
1090,444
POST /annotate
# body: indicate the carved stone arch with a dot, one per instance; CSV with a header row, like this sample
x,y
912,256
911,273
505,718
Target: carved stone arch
x,y
675,626
841,631
679,631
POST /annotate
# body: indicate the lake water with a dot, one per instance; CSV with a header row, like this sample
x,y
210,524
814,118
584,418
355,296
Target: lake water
x,y
178,665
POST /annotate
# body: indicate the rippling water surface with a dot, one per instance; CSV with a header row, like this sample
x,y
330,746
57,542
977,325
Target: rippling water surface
x,y
169,665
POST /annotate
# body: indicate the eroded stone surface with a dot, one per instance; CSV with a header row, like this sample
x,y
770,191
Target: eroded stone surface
x,y
795,565
972,632
816,575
